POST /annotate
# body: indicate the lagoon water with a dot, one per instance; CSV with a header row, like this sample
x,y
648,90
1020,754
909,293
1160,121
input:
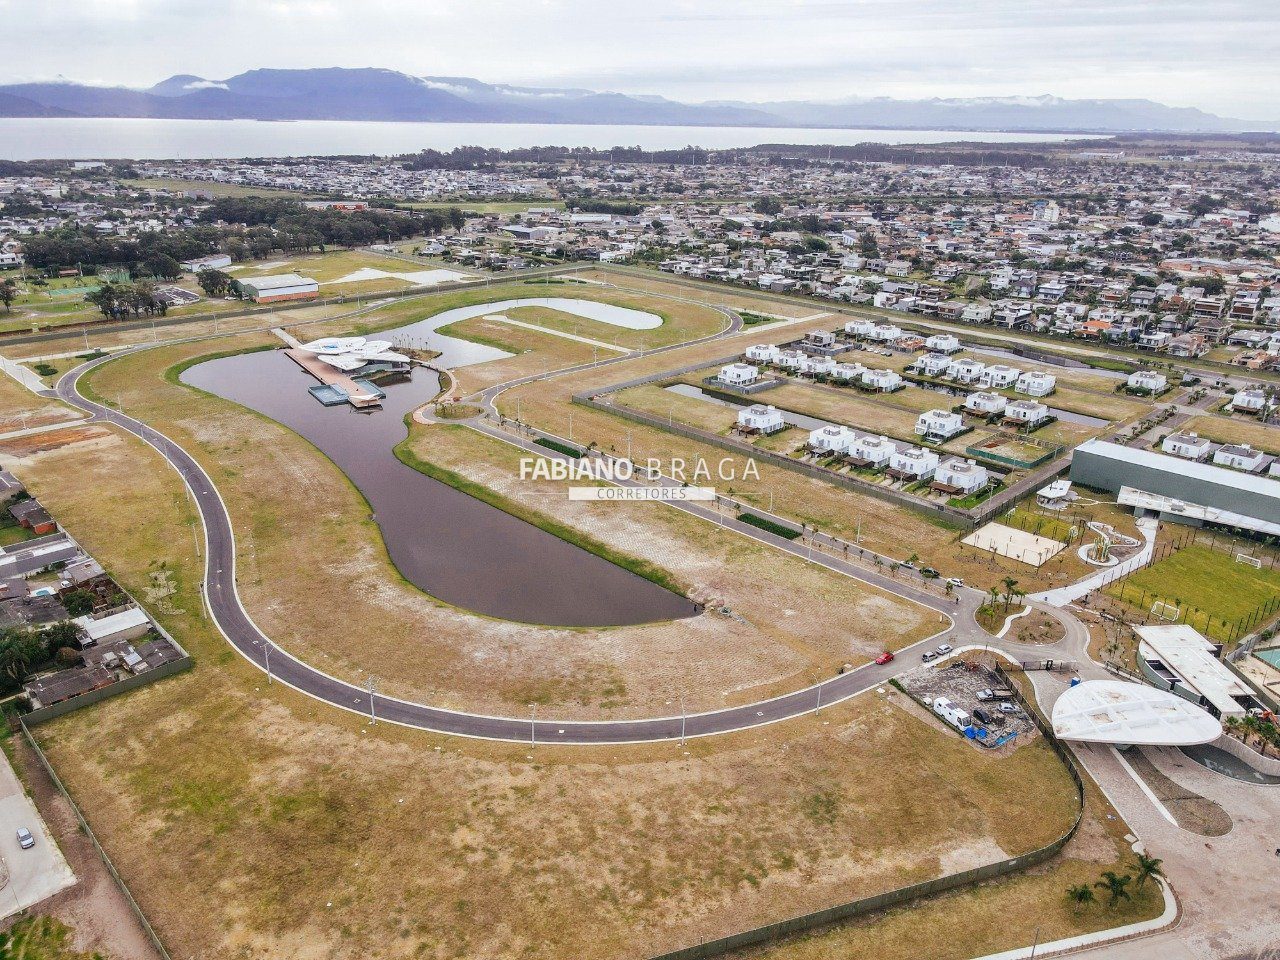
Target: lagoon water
x,y
90,138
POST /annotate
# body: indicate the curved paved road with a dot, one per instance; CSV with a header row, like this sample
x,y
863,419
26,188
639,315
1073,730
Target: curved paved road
x,y
244,635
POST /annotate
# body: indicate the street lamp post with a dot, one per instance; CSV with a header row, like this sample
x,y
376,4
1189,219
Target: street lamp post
x,y
533,725
266,653
372,685
683,720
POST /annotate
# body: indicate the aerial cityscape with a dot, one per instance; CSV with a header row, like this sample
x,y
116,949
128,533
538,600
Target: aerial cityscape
x,y
655,483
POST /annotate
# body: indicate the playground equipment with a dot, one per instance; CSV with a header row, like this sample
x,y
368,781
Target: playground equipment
x,y
1098,553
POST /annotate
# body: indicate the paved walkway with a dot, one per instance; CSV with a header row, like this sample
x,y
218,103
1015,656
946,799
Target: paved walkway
x,y
23,374
1062,596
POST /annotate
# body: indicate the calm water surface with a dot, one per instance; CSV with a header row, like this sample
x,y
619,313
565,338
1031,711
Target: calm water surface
x,y
451,545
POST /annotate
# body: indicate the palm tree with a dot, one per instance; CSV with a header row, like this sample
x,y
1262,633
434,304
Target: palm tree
x,y
1009,584
995,597
1148,867
1081,895
1114,885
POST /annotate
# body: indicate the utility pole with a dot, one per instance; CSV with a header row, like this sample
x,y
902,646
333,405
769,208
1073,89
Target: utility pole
x,y
371,685
533,725
682,720
266,652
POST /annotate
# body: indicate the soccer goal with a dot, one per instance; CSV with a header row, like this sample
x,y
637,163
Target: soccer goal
x,y
1255,562
1165,611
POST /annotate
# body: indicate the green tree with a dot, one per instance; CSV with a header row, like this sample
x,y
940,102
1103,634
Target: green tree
x,y
1114,885
1148,867
1081,895
1009,588
8,290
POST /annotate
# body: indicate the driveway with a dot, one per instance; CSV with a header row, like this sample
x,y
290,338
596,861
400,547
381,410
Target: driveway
x,y
33,874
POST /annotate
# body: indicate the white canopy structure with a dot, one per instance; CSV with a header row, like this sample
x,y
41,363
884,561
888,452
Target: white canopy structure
x,y
1117,712
352,353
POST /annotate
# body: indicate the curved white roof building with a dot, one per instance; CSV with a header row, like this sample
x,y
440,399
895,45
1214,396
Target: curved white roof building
x,y
1118,712
352,353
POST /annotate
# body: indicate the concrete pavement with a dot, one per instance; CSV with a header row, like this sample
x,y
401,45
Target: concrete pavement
x,y
32,875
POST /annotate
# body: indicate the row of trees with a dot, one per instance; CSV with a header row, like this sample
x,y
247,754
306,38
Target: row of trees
x,y
1116,885
1257,730
119,300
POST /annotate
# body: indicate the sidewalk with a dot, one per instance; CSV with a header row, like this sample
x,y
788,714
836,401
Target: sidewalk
x,y
1062,596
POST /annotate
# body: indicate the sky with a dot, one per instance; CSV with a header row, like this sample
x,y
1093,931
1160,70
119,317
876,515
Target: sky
x,y
1219,55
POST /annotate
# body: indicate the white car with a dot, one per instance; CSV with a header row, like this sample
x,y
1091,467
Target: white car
x,y
25,840
944,648
955,581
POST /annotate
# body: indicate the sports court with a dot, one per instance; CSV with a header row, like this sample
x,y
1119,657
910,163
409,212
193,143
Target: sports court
x,y
1028,548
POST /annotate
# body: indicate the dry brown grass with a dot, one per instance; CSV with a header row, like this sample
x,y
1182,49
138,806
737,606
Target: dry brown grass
x,y
20,408
251,821
1237,429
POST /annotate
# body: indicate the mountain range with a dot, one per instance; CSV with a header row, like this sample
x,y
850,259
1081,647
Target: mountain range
x,y
377,94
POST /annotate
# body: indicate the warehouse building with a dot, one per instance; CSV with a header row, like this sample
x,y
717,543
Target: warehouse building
x,y
282,286
1179,490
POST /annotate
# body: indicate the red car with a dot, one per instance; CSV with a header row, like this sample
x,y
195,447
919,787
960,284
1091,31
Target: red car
x,y
884,657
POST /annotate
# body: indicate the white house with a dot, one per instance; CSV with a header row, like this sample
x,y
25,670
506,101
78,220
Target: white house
x,y
883,380
872,451
1036,383
1192,446
1242,457
998,376
817,365
763,353
1249,401
943,343
831,439
961,476
976,313
933,364
790,359
939,424
738,374
985,403
1147,380
967,370
758,418
885,333
848,371
913,463
1028,412
859,328
820,339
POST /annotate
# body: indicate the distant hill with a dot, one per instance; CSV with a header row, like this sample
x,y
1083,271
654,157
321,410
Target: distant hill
x,y
376,94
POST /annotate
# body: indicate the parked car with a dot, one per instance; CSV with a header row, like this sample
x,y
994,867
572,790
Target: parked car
x,y
907,565
884,657
929,573
929,655
985,694
1008,708
944,648
956,581
25,840
981,715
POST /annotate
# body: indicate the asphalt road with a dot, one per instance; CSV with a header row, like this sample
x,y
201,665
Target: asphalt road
x,y
234,622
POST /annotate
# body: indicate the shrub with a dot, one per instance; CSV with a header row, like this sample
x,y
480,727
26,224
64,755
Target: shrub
x,y
558,447
769,526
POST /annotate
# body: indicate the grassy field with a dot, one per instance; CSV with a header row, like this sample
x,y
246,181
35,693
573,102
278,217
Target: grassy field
x,y
20,408
691,329
249,820
1211,586
1237,429
692,411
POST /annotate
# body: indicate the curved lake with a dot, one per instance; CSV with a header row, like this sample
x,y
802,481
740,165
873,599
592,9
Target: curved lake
x,y
451,545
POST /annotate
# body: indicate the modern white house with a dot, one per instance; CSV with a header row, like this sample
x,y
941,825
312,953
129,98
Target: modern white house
x,y
738,374
999,376
957,475
1248,401
968,370
817,365
871,451
354,354
820,340
985,404
790,359
1026,412
1190,446
939,425
1036,383
885,333
977,313
933,364
859,328
759,418
1147,380
913,463
763,353
943,343
1182,657
848,371
883,380
831,439
1240,456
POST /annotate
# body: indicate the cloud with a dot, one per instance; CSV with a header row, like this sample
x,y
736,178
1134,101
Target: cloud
x,y
205,85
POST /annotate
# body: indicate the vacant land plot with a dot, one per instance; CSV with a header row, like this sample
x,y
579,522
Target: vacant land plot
x,y
693,411
728,297
20,408
249,820
1237,429
1212,588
